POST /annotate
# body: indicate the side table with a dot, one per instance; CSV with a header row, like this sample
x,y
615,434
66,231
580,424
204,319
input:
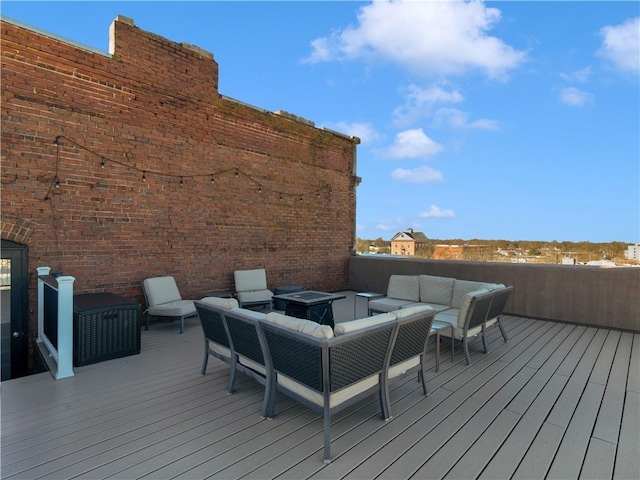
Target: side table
x,y
436,327
368,296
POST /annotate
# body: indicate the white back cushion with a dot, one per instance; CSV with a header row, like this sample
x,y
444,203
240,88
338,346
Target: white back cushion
x,y
250,280
161,290
300,325
466,303
462,287
355,325
438,290
404,287
407,312
221,302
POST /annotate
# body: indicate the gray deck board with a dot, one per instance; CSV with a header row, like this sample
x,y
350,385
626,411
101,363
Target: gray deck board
x,y
556,400
628,454
573,448
608,424
598,462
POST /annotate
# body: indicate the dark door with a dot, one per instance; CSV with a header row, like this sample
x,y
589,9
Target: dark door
x,y
14,284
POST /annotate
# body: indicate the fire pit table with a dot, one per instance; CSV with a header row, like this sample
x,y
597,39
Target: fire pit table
x,y
310,305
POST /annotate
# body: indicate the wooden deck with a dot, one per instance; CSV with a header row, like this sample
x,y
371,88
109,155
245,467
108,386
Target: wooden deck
x,y
556,401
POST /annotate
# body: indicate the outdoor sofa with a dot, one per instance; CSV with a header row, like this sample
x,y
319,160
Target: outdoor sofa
x,y
322,368
470,307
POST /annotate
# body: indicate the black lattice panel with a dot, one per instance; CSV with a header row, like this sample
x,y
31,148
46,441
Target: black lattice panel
x,y
245,339
295,358
358,358
212,325
411,341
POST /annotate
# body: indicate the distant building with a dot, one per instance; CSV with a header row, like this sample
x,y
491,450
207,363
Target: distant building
x,y
410,243
633,252
448,252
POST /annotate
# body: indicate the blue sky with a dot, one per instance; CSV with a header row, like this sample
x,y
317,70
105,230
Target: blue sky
x,y
491,120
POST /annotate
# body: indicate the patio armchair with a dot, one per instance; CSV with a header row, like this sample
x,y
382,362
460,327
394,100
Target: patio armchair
x,y
323,372
475,315
163,299
251,288
414,328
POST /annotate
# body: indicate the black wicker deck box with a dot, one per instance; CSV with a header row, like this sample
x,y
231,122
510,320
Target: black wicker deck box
x,y
105,326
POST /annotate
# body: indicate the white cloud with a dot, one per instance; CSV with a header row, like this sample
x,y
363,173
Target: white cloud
x,y
580,76
364,131
422,174
458,119
428,37
436,212
419,102
575,97
412,144
621,45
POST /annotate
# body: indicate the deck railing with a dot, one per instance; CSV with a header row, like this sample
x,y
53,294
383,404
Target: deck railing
x,y
55,322
597,296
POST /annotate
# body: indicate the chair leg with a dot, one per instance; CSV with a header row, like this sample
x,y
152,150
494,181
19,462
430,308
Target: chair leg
x,y
269,403
148,320
504,333
232,378
206,358
484,340
423,379
327,435
385,400
465,344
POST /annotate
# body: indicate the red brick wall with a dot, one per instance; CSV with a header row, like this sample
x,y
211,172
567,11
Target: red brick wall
x,y
154,107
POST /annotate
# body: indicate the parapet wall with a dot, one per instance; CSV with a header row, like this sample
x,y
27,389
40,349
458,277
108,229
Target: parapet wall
x,y
604,297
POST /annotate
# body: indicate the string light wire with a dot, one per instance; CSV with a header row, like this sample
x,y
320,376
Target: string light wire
x,y
144,172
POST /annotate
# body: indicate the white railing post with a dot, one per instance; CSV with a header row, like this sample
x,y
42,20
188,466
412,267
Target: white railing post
x,y
65,326
62,353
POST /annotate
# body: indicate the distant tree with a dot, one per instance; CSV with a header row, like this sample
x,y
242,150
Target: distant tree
x,y
379,242
362,246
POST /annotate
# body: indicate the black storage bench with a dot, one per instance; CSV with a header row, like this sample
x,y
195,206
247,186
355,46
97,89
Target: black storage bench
x,y
105,326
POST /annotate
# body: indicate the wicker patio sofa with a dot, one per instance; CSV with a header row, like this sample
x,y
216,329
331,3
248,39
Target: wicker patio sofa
x,y
470,307
328,371
322,368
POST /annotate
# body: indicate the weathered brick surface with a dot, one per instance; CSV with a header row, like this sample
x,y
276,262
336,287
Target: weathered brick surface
x,y
281,195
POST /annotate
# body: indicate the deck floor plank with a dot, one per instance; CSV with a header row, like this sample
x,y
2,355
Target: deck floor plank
x,y
610,416
526,409
627,456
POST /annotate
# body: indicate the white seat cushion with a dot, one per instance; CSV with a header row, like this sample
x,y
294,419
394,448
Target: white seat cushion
x,y
254,296
177,308
335,398
388,304
219,348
